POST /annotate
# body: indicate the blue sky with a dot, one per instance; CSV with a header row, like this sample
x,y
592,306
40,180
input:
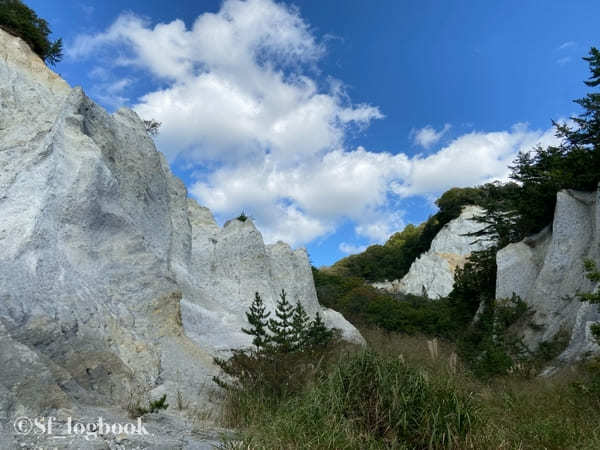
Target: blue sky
x,y
332,123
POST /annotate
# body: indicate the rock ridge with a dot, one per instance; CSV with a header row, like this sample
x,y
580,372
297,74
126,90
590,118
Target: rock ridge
x,y
547,270
111,277
432,273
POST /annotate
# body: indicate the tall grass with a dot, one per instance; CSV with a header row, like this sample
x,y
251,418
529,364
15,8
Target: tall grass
x,y
403,393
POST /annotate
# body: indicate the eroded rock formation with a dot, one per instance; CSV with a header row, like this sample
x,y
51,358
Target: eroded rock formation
x,y
547,270
110,276
432,273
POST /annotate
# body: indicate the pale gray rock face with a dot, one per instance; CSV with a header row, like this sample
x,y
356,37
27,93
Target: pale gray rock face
x,y
546,271
432,273
110,276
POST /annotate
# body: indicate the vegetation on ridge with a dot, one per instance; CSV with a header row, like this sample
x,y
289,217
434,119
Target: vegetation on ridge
x,y
19,20
393,259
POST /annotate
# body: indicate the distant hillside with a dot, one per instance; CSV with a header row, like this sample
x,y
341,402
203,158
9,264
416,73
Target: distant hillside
x,y
392,260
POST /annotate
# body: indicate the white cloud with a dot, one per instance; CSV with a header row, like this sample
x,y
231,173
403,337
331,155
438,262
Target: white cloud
x,y
352,184
351,249
111,92
237,96
566,45
428,136
564,60
236,82
473,158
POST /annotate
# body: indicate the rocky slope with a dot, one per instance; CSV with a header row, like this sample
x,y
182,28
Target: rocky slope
x,y
432,274
546,271
111,278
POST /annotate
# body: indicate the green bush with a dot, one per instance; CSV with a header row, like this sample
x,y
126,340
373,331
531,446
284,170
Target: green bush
x,y
19,20
388,400
137,410
488,346
285,347
364,305
368,401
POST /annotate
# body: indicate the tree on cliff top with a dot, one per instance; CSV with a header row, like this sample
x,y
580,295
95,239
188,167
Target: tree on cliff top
x,y
19,20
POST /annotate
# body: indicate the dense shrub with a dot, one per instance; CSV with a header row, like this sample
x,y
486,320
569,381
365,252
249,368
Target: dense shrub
x,y
19,20
365,401
364,305
285,347
488,346
390,401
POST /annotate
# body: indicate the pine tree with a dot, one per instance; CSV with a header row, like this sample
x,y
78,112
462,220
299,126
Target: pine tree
x,y
588,132
318,334
257,317
281,328
19,20
300,322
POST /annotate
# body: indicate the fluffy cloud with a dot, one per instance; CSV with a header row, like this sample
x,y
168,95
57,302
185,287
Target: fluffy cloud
x,y
358,184
240,93
236,83
339,184
351,249
470,159
427,136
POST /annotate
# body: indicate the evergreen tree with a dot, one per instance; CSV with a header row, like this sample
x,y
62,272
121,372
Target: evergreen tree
x,y
318,334
593,274
517,210
257,317
588,132
281,328
19,20
300,321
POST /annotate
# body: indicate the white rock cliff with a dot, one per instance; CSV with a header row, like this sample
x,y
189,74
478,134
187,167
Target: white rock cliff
x,y
110,275
547,271
432,273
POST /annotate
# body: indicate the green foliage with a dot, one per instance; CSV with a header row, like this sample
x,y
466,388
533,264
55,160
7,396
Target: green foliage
x,y
282,333
595,329
257,318
19,20
318,335
528,206
548,350
153,406
513,211
588,123
280,363
380,262
593,274
474,283
364,401
388,400
300,327
363,304
488,346
242,217
356,402
159,404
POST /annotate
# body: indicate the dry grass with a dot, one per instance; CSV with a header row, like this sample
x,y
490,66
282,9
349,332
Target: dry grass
x,y
512,412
